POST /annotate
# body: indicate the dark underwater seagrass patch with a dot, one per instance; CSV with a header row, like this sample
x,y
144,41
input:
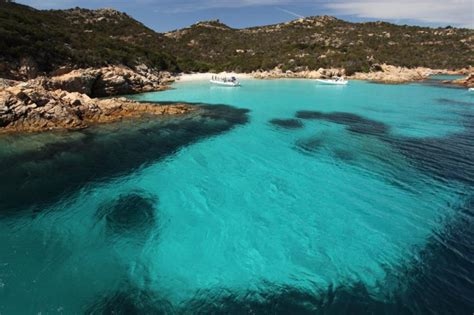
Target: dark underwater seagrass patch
x,y
134,211
354,123
39,177
287,123
129,300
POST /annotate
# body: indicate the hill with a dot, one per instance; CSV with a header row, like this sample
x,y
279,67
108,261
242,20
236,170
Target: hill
x,y
322,41
35,41
42,41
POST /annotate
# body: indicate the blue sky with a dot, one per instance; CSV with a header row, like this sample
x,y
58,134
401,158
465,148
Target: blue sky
x,y
165,15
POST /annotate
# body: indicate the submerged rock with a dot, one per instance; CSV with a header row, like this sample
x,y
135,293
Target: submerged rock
x,y
129,212
354,123
454,102
287,123
344,155
130,301
310,145
55,169
353,298
442,157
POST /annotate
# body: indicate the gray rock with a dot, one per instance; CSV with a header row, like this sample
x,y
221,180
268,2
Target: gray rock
x,y
4,110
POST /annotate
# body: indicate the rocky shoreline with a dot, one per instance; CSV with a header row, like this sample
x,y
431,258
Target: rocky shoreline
x,y
278,73
379,73
25,108
467,82
107,81
69,100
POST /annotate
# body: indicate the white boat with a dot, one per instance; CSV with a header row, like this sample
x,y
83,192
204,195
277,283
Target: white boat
x,y
471,90
333,81
232,81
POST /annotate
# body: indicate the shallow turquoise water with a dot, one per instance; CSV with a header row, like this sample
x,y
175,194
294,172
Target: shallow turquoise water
x,y
446,77
350,195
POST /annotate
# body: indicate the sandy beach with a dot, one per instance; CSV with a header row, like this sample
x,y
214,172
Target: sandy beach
x,y
186,77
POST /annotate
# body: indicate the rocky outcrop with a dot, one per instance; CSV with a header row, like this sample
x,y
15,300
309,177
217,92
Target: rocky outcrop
x,y
108,81
466,82
278,73
4,83
27,107
28,68
88,17
25,68
392,74
379,73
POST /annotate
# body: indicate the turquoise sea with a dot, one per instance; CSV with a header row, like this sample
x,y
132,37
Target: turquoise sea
x,y
279,197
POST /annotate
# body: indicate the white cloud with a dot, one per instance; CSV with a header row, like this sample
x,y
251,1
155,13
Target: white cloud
x,y
456,12
197,5
290,12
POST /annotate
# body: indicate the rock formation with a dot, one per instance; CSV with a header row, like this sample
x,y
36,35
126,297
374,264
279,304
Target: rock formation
x,y
27,107
306,74
108,81
467,82
392,74
380,73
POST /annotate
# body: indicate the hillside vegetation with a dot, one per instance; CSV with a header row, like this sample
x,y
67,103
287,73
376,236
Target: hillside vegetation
x,y
323,41
78,37
46,40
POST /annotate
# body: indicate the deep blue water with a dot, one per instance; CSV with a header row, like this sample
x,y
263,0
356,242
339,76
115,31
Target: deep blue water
x,y
280,197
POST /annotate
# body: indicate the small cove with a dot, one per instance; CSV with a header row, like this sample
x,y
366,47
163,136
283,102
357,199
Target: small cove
x,y
319,198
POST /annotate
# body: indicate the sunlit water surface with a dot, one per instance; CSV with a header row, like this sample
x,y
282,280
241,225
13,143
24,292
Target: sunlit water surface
x,y
327,199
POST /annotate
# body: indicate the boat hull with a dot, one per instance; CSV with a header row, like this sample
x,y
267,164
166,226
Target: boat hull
x,y
228,84
332,82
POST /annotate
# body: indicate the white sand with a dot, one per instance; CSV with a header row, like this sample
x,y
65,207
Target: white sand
x,y
207,76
